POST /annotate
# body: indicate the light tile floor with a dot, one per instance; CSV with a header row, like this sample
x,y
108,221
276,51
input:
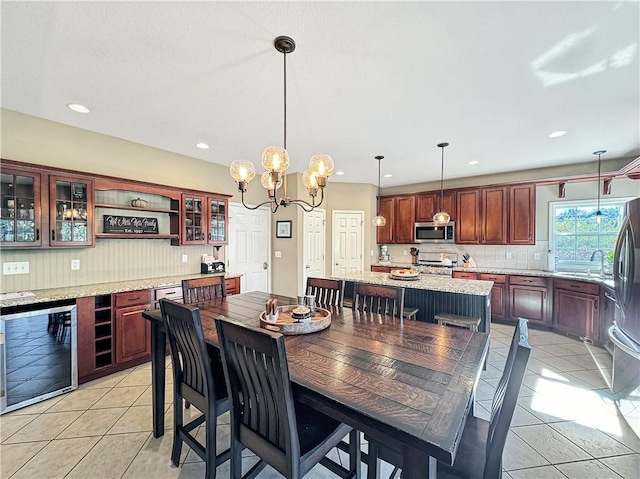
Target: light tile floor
x,y
565,424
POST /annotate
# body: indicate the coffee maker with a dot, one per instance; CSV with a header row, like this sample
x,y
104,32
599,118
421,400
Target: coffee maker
x,y
384,254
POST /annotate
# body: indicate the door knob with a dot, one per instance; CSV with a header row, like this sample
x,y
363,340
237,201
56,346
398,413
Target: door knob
x,y
265,265
307,266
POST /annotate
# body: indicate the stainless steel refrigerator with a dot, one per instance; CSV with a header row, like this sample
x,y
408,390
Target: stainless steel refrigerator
x,y
625,331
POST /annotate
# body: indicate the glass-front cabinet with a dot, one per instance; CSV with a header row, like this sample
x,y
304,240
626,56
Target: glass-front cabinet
x,y
193,230
20,215
217,217
71,211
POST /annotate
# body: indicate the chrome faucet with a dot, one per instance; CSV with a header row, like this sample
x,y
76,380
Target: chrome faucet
x,y
593,257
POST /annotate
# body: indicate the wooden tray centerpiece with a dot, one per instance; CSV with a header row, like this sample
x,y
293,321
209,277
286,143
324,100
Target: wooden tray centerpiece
x,y
287,325
404,274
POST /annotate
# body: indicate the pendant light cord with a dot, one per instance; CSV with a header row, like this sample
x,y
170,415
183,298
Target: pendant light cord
x,y
379,160
599,155
441,178
285,99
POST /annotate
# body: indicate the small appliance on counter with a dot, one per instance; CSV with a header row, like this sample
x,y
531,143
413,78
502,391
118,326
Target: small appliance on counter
x,y
384,254
211,265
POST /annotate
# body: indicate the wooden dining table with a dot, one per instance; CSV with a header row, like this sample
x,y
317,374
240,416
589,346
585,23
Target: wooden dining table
x,y
409,384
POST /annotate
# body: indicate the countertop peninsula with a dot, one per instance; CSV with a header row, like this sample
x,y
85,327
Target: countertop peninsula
x,y
81,291
425,282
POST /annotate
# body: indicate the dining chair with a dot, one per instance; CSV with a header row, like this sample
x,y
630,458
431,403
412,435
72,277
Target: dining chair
x,y
480,451
328,292
286,434
203,289
196,379
376,298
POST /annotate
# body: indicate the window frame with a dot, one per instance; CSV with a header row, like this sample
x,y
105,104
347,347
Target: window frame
x,y
576,266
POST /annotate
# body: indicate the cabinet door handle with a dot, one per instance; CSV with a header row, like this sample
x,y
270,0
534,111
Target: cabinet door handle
x,y
172,292
608,296
53,235
527,281
575,286
530,237
37,234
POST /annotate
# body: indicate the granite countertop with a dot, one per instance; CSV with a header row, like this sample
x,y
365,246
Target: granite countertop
x,y
431,283
80,291
518,272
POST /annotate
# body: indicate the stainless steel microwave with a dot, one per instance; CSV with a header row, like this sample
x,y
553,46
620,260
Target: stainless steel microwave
x,y
430,233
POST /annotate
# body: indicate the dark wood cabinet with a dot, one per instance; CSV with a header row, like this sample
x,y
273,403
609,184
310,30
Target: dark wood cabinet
x,y
380,269
428,204
217,226
96,336
399,211
233,286
575,308
20,213
133,332
494,216
499,295
522,214
71,205
465,275
528,297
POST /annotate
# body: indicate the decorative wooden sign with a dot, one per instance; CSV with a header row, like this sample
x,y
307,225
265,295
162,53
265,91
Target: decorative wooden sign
x,y
130,225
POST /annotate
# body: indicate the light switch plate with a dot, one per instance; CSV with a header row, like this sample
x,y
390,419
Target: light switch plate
x,y
184,258
19,267
75,264
536,256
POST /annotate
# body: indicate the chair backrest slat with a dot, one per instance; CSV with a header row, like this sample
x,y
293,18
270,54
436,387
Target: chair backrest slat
x,y
375,298
203,289
505,397
257,375
329,292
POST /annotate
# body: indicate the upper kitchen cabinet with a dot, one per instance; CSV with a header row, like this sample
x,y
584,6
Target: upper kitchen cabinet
x,y
522,214
428,204
42,208
70,211
400,213
21,214
204,220
496,215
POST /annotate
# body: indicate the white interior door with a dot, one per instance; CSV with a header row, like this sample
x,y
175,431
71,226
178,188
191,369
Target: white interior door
x,y
249,248
314,245
348,241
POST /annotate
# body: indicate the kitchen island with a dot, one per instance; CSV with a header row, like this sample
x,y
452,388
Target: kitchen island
x,y
434,294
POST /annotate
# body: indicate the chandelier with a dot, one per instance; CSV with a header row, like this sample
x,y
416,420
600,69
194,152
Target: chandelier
x,y
599,213
441,218
275,160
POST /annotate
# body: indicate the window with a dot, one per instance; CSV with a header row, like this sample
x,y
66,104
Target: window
x,y
575,234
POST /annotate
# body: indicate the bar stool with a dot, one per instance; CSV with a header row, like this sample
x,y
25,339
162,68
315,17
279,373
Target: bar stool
x,y
458,320
410,313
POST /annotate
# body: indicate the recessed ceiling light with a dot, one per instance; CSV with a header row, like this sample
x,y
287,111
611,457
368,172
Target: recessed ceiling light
x,y
556,134
339,173
387,175
474,162
78,108
202,146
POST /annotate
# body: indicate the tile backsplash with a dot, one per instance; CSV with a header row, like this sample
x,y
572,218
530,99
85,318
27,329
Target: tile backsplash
x,y
533,257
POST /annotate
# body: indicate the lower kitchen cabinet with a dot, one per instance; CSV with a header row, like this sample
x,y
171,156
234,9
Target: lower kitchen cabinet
x,y
380,269
499,295
465,275
575,308
233,286
133,332
529,299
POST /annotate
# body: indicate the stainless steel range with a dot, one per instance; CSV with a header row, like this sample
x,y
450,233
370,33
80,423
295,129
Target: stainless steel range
x,y
437,263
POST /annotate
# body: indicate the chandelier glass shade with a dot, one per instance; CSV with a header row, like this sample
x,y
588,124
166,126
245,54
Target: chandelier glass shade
x,y
276,162
599,213
441,218
378,219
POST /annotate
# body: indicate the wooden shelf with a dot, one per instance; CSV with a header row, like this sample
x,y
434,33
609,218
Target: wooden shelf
x,y
135,208
134,236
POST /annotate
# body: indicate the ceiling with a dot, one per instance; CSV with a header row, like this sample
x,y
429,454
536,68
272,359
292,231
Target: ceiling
x,y
367,78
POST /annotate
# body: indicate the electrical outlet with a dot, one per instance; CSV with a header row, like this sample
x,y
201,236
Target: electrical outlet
x,y
278,254
75,264
404,252
536,256
509,255
184,258
371,252
19,267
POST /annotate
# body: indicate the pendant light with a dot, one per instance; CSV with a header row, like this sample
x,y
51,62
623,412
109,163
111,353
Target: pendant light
x,y
599,213
379,220
441,218
275,160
